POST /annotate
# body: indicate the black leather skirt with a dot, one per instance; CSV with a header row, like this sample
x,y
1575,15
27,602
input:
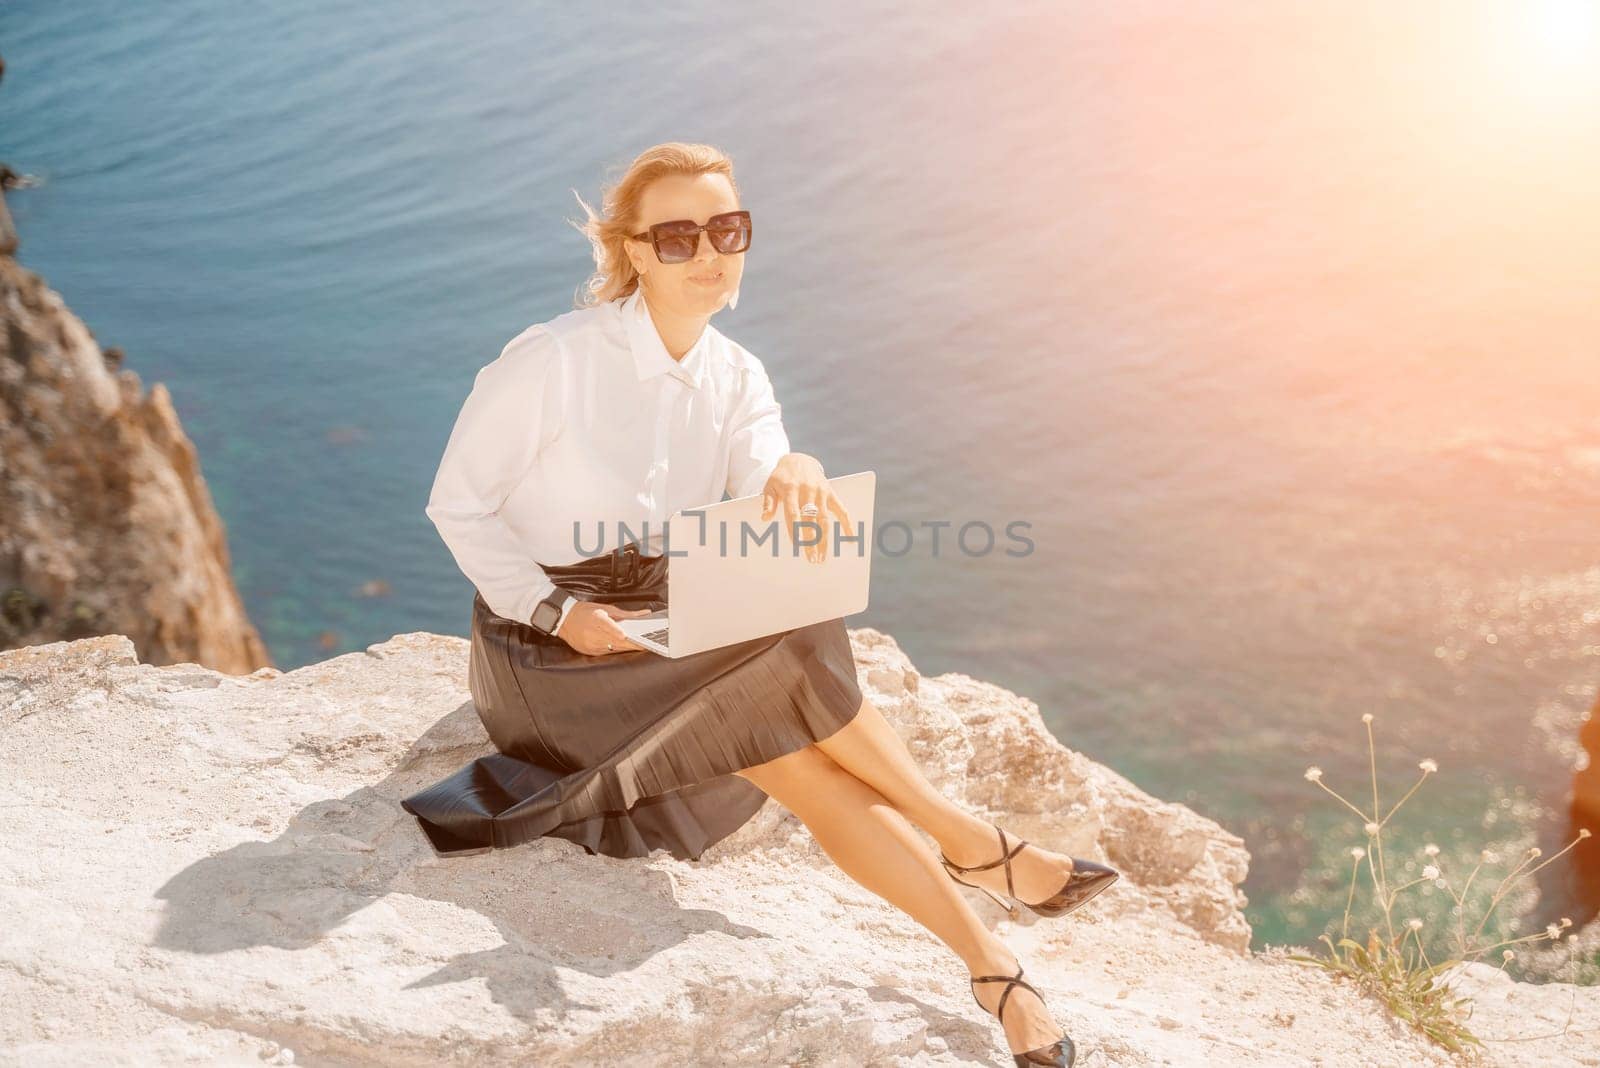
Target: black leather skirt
x,y
630,752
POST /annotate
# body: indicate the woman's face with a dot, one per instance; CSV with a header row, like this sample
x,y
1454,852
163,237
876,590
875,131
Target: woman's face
x,y
699,286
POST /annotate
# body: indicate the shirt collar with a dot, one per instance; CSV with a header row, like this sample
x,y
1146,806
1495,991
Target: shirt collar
x,y
650,356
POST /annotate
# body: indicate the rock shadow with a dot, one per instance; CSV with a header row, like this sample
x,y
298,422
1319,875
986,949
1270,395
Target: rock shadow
x,y
341,855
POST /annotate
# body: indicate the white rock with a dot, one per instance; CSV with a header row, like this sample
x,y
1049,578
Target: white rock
x,y
152,920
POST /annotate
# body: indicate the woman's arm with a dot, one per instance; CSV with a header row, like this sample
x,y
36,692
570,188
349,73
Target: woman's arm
x,y
760,461
757,439
510,415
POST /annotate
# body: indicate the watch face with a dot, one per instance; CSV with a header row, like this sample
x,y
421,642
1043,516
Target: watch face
x,y
545,616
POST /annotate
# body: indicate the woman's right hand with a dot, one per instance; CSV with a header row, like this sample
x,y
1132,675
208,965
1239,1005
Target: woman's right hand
x,y
591,624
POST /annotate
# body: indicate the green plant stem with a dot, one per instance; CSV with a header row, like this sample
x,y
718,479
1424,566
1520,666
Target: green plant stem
x,y
1383,871
1355,871
1338,797
1461,909
1406,798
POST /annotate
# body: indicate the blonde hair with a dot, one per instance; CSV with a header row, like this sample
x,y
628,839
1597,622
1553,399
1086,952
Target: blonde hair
x,y
614,276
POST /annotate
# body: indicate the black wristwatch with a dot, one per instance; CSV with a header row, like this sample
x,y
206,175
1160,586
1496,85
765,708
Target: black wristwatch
x,y
547,614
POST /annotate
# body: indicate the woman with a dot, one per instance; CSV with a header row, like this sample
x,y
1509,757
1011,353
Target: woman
x,y
623,751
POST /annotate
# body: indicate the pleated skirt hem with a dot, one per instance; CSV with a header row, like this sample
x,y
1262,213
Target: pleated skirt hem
x,y
670,783
685,822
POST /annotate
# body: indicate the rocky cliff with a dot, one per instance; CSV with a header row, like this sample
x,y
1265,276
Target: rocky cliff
x,y
199,867
106,525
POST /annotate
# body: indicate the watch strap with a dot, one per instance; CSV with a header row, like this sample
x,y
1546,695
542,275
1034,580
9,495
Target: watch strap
x,y
550,613
566,610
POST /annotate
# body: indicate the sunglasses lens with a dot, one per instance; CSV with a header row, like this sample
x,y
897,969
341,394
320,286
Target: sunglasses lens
x,y
730,232
676,242
675,249
732,238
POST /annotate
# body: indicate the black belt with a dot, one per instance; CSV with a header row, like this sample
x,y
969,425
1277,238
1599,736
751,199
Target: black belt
x,y
626,559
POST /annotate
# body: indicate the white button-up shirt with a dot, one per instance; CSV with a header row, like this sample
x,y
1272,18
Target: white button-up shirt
x,y
587,419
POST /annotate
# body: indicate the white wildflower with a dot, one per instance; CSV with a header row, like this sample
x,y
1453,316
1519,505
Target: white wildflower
x,y
1431,850
1371,828
1508,955
1357,852
1414,923
1429,766
1431,871
1366,717
1313,774
1554,931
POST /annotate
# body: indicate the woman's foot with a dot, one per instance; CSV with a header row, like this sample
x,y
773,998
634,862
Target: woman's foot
x,y
1027,1020
1036,872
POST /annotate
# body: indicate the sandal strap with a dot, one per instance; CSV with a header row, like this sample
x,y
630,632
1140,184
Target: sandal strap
x,y
1005,858
1012,982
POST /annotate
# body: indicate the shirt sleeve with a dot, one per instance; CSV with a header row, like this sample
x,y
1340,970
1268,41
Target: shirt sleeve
x,y
511,413
757,440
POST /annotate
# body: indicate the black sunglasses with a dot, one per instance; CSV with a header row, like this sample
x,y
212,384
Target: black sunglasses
x,y
678,240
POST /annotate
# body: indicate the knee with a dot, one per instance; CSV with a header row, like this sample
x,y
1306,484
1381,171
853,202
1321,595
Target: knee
x,y
807,778
806,773
805,764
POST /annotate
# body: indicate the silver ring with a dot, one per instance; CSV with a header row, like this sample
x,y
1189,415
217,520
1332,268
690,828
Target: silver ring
x,y
608,646
809,509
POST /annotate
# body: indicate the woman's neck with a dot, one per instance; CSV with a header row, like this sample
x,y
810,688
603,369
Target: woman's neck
x,y
677,333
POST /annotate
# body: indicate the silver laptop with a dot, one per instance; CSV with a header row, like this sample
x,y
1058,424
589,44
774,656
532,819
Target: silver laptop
x,y
732,576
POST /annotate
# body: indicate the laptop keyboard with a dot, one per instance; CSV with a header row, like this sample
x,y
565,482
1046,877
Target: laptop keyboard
x,y
658,635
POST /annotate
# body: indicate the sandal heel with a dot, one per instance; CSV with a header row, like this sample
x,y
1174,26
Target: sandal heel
x,y
950,870
998,900
1088,878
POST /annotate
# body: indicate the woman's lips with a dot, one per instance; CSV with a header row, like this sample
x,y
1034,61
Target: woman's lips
x,y
708,281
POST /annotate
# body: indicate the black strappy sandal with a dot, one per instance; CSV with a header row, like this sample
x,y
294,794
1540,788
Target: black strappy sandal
x,y
1087,880
1058,1054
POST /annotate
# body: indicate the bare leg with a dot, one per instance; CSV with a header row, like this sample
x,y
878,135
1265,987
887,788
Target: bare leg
x,y
870,841
868,748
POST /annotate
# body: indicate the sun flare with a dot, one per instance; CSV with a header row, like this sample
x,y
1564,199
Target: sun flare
x,y
1564,30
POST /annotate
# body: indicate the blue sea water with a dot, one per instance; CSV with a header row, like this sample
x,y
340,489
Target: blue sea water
x,y
1277,326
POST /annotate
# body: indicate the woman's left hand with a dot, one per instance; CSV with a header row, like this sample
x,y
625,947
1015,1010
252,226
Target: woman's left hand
x,y
798,483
